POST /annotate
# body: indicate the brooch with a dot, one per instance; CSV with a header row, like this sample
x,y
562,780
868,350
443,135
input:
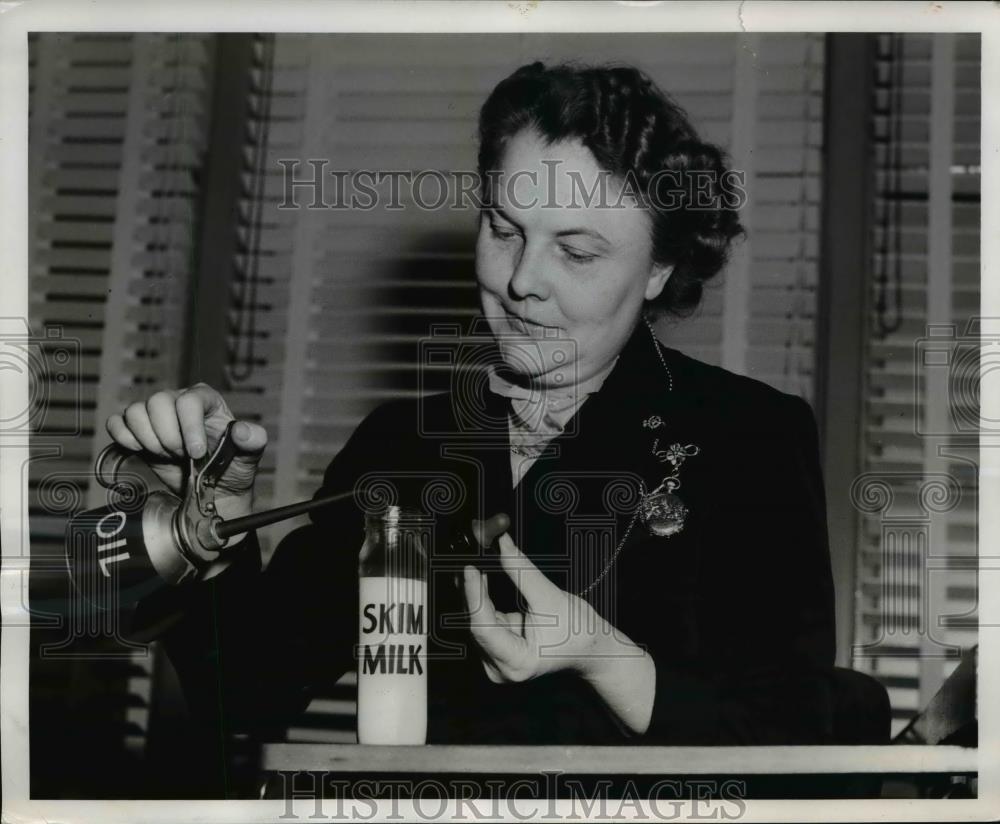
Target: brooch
x,y
663,512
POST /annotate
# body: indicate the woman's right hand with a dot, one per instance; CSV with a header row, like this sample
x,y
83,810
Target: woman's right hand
x,y
174,425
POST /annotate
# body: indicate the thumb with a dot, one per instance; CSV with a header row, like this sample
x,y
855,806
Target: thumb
x,y
530,581
247,446
487,531
250,439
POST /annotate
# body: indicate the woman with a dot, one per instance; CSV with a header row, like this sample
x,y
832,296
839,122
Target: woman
x,y
669,514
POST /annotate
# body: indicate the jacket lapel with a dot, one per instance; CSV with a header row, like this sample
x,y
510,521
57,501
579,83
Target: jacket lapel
x,y
577,502
607,436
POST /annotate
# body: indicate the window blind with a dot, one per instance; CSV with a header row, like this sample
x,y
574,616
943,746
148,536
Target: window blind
x,y
330,305
117,127
916,580
759,317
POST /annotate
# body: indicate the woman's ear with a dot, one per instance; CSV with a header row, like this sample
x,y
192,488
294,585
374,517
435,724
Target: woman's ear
x,y
658,277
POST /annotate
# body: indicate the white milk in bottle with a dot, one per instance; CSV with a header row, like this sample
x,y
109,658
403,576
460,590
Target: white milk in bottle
x,y
392,628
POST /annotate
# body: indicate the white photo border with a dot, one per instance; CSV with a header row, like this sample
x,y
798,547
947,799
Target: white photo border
x,y
19,18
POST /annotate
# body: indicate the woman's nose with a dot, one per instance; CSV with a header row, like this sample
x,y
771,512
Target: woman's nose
x,y
529,276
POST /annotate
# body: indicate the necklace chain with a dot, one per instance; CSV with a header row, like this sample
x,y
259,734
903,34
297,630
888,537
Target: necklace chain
x,y
659,354
642,486
619,548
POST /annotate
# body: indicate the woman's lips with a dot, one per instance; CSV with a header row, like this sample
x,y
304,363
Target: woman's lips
x,y
530,328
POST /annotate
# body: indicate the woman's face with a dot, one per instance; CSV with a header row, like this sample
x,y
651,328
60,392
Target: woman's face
x,y
562,280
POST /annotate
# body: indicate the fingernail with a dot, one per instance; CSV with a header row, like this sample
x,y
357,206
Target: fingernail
x,y
197,449
241,431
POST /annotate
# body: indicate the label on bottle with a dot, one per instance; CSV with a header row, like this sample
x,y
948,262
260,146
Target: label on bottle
x,y
392,661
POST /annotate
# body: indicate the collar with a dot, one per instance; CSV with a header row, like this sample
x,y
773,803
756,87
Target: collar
x,y
636,388
637,385
605,435
544,411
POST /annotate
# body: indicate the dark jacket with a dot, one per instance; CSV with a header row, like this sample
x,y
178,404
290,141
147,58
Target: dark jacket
x,y
736,609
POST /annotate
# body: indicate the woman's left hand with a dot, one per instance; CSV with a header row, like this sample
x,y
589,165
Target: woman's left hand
x,y
558,631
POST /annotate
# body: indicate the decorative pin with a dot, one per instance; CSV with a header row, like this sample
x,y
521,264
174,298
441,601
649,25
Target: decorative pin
x,y
663,512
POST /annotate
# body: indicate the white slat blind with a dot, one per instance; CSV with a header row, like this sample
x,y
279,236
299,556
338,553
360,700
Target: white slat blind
x,y
917,586
260,311
759,317
344,296
117,130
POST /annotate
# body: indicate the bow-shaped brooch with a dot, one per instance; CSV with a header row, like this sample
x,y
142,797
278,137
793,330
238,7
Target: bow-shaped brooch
x,y
663,512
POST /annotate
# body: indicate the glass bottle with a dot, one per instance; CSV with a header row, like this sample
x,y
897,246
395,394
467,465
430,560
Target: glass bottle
x,y
393,627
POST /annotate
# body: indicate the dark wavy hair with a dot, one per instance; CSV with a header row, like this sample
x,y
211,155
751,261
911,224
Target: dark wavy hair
x,y
634,131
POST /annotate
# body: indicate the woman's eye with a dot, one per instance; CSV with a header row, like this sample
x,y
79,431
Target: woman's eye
x,y
502,234
576,256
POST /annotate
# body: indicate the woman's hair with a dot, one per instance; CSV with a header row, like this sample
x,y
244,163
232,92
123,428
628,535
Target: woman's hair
x,y
634,131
